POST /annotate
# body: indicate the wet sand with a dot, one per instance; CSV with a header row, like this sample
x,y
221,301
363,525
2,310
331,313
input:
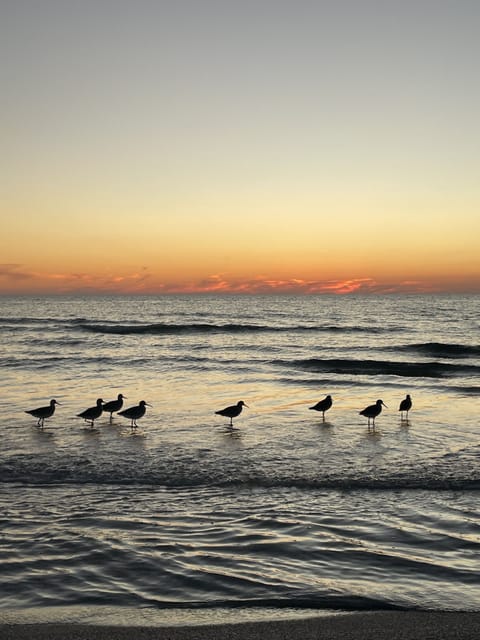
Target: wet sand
x,y
384,625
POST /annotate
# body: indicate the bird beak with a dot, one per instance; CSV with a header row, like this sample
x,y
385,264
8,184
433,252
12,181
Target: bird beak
x,y
148,405
385,405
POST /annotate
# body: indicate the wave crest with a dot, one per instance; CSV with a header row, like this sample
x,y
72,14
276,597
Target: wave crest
x,y
162,328
443,350
454,473
382,367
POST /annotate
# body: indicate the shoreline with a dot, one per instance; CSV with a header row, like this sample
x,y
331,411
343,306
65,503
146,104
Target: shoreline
x,y
118,625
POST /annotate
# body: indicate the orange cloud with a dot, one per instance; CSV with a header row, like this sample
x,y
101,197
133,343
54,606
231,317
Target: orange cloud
x,y
219,283
15,279
11,272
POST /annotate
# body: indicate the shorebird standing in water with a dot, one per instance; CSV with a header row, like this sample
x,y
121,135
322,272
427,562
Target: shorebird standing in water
x,y
323,405
232,411
405,405
114,405
91,414
373,410
134,413
43,412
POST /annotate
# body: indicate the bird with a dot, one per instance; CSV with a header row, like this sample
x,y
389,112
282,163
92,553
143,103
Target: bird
x,y
323,405
91,414
373,410
405,405
134,413
233,411
43,412
114,405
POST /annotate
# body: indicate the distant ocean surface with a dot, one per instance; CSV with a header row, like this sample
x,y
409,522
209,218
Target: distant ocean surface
x,y
284,509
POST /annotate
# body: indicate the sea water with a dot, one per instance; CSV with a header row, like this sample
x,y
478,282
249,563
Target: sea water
x,y
285,508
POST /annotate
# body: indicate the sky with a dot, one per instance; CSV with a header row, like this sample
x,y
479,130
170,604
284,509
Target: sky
x,y
288,146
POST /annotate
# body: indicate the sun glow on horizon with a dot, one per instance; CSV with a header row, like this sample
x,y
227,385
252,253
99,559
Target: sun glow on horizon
x,y
16,281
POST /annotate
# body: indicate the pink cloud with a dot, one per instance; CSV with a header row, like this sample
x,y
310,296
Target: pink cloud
x,y
261,285
140,281
10,272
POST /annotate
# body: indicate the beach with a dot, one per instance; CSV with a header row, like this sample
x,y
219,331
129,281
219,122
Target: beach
x,y
387,625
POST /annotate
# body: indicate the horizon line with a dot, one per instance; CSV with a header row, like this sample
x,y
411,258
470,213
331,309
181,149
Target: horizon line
x,y
246,294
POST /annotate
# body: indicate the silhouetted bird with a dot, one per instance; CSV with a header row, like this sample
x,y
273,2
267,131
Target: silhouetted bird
x,y
323,405
114,405
134,413
233,411
43,412
91,414
405,405
372,411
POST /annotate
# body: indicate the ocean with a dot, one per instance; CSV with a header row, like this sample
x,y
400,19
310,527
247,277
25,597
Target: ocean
x,y
284,509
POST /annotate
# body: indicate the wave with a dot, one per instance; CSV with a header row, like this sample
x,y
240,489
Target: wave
x,y
52,361
381,367
456,472
468,390
291,601
311,602
208,328
6,321
442,350
346,484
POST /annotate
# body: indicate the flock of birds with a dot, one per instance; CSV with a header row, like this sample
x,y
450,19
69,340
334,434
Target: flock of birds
x,y
370,412
92,413
136,412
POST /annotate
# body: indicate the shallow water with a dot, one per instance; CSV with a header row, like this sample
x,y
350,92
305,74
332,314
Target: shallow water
x,y
284,509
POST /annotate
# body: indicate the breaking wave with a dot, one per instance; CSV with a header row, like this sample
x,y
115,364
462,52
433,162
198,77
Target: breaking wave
x,y
207,328
382,367
442,350
454,472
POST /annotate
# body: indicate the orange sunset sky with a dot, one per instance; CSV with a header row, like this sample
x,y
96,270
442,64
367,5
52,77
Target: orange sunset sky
x,y
252,147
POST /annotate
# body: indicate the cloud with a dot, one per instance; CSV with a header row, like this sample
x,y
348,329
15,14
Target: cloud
x,y
218,283
141,281
88,283
9,271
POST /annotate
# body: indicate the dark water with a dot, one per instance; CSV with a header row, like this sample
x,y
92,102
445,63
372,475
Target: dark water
x,y
282,510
